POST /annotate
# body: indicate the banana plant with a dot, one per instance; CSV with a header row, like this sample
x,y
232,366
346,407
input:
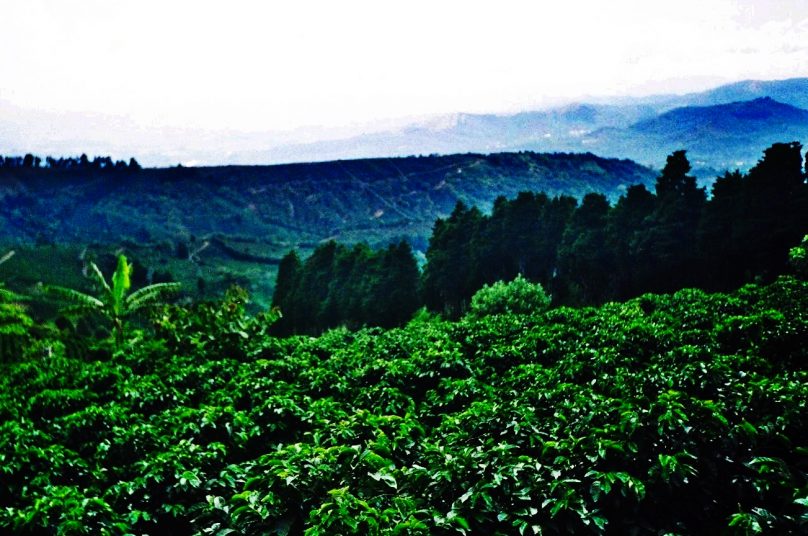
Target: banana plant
x,y
114,302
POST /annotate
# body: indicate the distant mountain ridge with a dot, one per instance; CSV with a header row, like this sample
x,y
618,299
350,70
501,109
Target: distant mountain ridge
x,y
578,127
717,137
762,113
793,91
749,116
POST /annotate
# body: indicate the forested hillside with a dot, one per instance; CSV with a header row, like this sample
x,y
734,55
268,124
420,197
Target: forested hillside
x,y
217,226
584,254
292,203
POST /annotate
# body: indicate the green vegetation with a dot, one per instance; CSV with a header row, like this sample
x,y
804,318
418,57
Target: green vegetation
x,y
519,296
590,253
213,227
115,304
354,287
798,256
682,413
584,254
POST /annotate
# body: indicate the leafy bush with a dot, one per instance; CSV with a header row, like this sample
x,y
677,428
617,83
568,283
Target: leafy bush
x,y
519,296
798,256
682,413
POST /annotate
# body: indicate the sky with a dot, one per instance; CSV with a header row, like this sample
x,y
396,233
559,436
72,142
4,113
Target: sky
x,y
272,65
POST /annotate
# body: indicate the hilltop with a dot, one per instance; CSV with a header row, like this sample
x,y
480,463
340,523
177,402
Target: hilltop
x,y
231,224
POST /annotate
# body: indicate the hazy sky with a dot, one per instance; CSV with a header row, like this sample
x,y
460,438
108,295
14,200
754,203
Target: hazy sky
x,y
277,65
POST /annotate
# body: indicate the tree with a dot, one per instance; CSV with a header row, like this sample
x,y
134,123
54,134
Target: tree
x,y
674,179
448,281
521,237
585,264
665,252
625,222
114,303
775,209
285,285
720,246
392,295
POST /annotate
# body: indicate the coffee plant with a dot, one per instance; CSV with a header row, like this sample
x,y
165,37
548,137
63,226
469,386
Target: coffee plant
x,y
684,413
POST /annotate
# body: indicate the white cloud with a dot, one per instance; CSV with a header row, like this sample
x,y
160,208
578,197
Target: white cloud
x,y
269,65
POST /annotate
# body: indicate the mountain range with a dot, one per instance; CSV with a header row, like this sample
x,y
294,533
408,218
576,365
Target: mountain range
x,y
723,128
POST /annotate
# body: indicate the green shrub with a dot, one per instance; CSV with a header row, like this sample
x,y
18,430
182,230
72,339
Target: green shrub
x,y
519,296
798,256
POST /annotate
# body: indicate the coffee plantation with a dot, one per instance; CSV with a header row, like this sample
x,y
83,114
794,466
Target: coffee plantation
x,y
681,413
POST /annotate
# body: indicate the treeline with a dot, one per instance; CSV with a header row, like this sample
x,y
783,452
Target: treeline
x,y
585,254
354,286
647,242
83,162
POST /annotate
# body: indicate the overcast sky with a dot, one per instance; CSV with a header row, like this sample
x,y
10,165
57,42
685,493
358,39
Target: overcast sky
x,y
254,65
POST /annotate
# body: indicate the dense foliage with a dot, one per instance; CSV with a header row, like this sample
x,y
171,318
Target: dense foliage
x,y
212,227
519,296
469,249
338,285
593,252
682,413
585,254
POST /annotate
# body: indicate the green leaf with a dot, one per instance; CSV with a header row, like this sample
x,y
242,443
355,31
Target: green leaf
x,y
462,522
99,277
73,296
120,283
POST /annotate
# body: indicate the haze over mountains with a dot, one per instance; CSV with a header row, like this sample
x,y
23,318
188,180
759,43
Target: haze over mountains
x,y
726,127
722,128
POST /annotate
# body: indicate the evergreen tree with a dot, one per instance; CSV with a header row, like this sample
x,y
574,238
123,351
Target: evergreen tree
x,y
666,252
585,264
396,292
555,217
448,280
721,248
338,285
775,209
285,285
312,291
625,223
